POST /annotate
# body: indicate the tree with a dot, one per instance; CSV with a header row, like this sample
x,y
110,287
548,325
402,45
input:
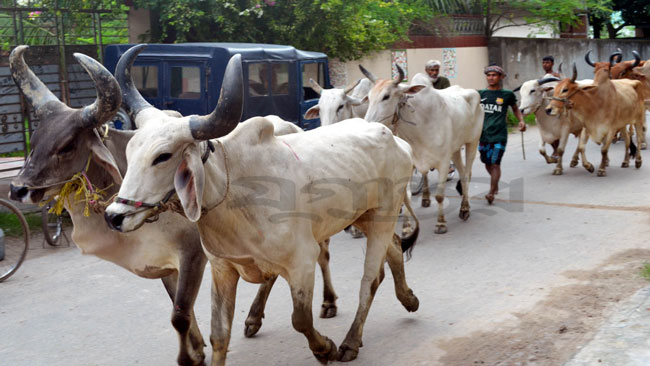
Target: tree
x,y
342,29
633,12
501,14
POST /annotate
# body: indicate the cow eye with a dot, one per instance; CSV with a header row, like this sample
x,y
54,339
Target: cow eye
x,y
67,148
386,97
565,90
532,91
161,158
339,108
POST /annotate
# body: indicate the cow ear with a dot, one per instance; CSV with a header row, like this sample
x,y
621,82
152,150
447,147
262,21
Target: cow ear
x,y
548,88
102,156
312,112
588,87
189,180
356,101
414,89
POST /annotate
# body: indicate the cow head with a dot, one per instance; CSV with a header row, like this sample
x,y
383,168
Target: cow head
x,y
533,93
66,137
165,153
385,97
617,69
334,105
564,92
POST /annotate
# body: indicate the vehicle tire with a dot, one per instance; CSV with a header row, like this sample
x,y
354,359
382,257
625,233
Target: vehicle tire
x,y
121,121
417,183
52,226
13,255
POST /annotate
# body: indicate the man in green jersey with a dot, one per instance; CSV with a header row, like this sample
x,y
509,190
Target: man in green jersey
x,y
495,102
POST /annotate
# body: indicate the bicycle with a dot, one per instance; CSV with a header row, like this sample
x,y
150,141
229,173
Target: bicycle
x,y
12,253
52,226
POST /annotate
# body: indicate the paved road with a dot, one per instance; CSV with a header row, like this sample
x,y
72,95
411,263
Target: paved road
x,y
550,259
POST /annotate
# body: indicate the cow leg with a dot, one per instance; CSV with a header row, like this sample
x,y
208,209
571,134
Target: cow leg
x,y
626,157
395,261
441,225
564,137
379,239
602,169
463,180
224,292
253,322
640,138
301,282
183,287
542,151
426,195
328,308
581,148
407,228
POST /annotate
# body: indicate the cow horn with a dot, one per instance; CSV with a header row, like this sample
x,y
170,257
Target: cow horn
x,y
559,69
133,100
517,88
400,75
547,80
637,59
109,96
614,57
228,111
575,73
352,86
317,88
588,60
368,74
620,57
37,94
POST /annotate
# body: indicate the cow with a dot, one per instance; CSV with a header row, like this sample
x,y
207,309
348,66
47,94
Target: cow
x,y
622,70
338,104
66,143
232,195
553,130
436,123
604,107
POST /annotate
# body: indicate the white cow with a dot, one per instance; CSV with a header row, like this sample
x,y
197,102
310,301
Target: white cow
x,y
436,123
264,202
553,130
336,104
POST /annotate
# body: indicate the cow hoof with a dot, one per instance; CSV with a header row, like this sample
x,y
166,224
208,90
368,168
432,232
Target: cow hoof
x,y
189,362
330,355
412,303
464,215
440,229
637,164
574,163
625,164
590,168
644,146
602,173
328,311
557,171
251,329
426,202
347,354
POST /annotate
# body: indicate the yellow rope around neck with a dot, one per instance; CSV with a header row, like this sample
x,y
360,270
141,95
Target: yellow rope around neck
x,y
78,186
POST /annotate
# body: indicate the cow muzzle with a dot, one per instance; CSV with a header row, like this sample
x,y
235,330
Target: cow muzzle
x,y
24,194
114,220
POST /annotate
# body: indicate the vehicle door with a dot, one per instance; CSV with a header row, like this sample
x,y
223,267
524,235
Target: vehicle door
x,y
185,87
147,78
270,88
315,70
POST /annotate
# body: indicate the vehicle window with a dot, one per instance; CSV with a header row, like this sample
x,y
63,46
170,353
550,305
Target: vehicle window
x,y
313,71
145,79
185,82
280,79
258,79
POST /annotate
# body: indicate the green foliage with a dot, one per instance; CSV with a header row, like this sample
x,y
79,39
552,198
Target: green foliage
x,y
11,226
512,121
340,28
645,271
632,12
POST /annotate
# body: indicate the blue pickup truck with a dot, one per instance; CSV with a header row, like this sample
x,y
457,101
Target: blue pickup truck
x,y
187,77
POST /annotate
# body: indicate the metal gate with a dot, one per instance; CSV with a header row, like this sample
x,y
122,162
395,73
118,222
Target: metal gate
x,y
53,35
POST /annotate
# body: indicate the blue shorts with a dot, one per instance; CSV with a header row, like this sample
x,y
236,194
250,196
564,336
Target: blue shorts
x,y
492,152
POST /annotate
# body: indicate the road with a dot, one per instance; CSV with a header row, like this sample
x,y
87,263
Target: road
x,y
526,281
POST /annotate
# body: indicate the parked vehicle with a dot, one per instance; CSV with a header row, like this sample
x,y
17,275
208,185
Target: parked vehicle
x,y
187,77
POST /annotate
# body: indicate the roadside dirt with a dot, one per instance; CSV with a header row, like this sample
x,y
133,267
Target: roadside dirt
x,y
553,330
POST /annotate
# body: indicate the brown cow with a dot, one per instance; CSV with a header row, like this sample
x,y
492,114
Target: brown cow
x,y
604,107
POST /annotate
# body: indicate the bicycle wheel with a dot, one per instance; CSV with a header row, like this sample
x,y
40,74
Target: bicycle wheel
x,y
417,182
52,226
14,251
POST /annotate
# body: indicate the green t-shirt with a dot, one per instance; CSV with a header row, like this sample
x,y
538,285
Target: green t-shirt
x,y
495,103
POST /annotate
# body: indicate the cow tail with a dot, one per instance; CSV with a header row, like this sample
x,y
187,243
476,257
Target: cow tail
x,y
409,242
